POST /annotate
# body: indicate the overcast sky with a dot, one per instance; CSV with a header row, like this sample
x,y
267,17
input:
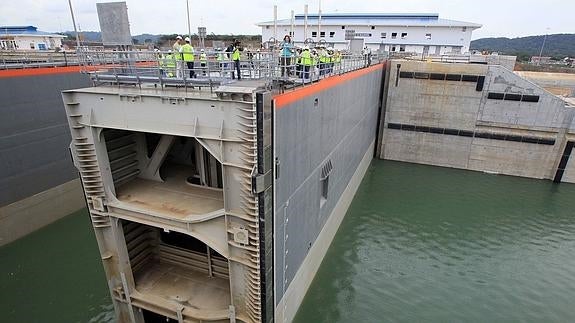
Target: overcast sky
x,y
500,18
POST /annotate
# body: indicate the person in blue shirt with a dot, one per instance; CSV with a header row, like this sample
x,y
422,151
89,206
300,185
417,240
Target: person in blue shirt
x,y
287,51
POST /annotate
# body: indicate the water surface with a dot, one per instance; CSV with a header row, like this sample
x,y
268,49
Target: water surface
x,y
427,244
419,244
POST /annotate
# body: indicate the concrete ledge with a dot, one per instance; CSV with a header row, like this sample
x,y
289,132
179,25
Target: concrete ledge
x,y
32,213
289,304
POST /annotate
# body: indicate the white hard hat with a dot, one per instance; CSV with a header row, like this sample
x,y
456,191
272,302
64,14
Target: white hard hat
x,y
179,37
305,47
187,39
202,50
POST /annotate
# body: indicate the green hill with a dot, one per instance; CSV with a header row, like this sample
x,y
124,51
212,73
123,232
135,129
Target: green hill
x,y
558,45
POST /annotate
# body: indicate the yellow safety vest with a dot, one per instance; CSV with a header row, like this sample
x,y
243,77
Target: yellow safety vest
x,y
188,53
306,58
169,61
203,57
323,57
337,57
236,54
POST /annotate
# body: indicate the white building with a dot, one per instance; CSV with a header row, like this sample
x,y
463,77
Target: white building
x,y
417,33
28,38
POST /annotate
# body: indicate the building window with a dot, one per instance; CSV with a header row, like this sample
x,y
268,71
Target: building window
x,y
383,35
31,45
464,29
393,35
372,27
322,34
393,48
403,35
342,27
402,48
331,34
428,36
314,33
267,27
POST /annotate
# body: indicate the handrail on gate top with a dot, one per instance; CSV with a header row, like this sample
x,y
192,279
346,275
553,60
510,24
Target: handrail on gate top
x,y
13,59
168,68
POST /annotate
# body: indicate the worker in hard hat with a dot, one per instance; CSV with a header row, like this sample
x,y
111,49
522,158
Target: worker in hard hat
x,y
169,64
306,62
323,60
203,61
314,61
298,66
337,60
187,52
178,57
236,55
330,60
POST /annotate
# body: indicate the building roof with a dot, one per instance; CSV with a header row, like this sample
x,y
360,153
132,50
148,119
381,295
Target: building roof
x,y
25,31
376,19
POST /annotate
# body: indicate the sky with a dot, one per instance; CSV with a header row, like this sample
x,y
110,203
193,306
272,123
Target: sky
x,y
500,18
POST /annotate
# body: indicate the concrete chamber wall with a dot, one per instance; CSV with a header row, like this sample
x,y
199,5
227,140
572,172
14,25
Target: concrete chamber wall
x,y
324,140
38,183
476,117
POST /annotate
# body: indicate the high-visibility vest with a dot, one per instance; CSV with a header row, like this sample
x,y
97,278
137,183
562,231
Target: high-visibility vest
x,y
306,58
169,61
323,58
236,54
220,57
187,53
203,57
337,57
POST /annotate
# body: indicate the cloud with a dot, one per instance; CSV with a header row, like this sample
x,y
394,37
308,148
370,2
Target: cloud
x,y
499,18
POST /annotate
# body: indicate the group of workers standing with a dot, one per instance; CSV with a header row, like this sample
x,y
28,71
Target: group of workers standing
x,y
181,58
300,62
305,59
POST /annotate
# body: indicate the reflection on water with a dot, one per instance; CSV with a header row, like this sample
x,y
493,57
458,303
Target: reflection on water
x,y
426,244
419,244
54,275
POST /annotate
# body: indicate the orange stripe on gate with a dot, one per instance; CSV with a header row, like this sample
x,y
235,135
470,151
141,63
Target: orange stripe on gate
x,y
284,99
45,71
65,69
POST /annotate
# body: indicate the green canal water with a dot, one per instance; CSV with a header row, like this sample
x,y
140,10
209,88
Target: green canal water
x,y
419,244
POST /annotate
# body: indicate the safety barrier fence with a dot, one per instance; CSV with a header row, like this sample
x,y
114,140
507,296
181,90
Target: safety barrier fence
x,y
214,68
28,59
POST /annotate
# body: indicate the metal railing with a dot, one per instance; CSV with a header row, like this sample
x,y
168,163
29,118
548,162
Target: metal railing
x,y
168,69
34,59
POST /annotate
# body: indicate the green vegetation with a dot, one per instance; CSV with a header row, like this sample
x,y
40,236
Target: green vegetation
x,y
95,36
557,46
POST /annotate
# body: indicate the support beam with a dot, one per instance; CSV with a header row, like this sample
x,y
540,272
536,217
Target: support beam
x,y
152,170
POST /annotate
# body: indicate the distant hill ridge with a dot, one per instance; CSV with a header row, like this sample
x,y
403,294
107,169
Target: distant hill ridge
x,y
557,45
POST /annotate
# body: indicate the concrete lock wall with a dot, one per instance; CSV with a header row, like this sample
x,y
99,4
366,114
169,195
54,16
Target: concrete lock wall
x,y
323,130
38,183
476,117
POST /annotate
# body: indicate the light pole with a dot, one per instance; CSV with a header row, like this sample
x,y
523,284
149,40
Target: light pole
x,y
189,28
75,29
542,46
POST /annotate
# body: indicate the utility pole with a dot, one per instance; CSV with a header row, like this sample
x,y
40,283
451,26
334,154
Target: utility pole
x,y
276,22
305,8
75,28
292,34
319,21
